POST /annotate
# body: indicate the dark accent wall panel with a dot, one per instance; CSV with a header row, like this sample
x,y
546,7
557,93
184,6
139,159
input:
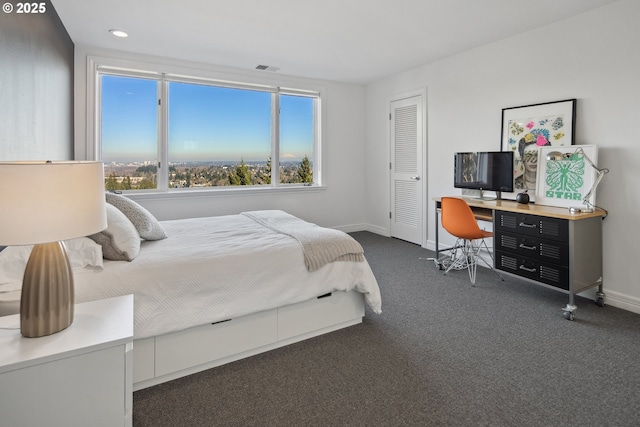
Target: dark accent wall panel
x,y
36,85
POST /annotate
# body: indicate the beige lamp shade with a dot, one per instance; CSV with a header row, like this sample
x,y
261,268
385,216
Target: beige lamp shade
x,y
46,202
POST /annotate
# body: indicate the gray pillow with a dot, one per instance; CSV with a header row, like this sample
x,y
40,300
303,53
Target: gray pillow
x,y
120,240
147,225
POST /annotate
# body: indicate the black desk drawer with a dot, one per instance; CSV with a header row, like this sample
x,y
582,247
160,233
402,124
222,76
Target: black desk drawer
x,y
551,274
546,250
533,225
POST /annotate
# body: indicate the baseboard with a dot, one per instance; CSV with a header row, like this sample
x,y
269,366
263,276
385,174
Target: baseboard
x,y
377,230
431,245
352,228
625,302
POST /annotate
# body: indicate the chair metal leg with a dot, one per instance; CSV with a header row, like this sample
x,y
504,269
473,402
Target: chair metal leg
x,y
473,262
468,257
457,257
492,260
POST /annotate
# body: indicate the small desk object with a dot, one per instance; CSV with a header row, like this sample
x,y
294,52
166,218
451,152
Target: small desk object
x,y
543,244
79,376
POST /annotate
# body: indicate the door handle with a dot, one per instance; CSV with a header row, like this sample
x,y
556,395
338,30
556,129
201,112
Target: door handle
x,y
415,178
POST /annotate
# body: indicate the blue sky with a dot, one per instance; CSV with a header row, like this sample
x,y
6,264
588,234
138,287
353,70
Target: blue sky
x,y
206,123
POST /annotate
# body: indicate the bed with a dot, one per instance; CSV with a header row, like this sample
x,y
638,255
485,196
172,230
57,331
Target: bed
x,y
208,291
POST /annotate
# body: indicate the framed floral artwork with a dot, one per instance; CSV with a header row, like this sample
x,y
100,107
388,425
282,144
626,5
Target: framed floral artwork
x,y
525,129
565,177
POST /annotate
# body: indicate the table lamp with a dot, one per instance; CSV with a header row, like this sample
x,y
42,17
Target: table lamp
x,y
600,173
44,203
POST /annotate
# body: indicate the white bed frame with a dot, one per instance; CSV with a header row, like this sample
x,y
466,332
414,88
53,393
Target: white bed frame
x,y
167,357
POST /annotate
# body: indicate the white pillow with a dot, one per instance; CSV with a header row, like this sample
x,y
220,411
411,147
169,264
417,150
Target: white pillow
x,y
82,252
147,225
120,240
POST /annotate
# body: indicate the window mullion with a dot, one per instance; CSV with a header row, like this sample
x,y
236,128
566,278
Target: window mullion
x,y
317,174
163,136
275,140
97,120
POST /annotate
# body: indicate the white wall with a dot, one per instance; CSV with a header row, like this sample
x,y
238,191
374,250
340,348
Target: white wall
x,y
594,57
340,204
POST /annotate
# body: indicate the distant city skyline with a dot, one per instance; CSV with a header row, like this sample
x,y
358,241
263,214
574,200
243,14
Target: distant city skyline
x,y
206,123
125,176
196,163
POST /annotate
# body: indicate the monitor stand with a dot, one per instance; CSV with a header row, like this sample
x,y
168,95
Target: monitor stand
x,y
483,197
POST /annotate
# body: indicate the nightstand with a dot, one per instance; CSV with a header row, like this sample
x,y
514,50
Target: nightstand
x,y
77,377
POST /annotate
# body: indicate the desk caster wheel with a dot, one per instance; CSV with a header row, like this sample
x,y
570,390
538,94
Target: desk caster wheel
x,y
568,311
600,302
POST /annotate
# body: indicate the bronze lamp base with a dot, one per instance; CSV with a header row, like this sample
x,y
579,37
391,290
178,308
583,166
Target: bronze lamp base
x,y
47,301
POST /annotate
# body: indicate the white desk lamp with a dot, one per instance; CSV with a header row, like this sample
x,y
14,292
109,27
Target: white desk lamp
x,y
44,203
600,173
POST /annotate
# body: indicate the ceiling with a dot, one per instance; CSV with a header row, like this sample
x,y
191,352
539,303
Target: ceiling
x,y
353,41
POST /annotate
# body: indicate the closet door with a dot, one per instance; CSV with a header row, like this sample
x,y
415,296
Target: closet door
x,y
407,184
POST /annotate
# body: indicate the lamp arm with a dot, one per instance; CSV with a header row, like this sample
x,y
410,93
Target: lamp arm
x,y
584,156
600,173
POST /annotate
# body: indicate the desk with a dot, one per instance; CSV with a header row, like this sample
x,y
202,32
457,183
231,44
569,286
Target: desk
x,y
543,244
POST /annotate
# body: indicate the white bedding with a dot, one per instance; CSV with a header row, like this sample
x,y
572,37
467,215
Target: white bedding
x,y
218,268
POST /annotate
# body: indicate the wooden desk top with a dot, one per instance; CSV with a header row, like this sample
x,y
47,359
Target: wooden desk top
x,y
533,209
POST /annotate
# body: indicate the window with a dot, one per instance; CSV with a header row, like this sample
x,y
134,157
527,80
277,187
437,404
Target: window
x,y
159,132
296,139
129,125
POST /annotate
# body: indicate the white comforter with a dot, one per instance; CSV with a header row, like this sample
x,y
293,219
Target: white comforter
x,y
218,268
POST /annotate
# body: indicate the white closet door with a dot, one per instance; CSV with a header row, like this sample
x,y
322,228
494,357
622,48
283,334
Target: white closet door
x,y
406,167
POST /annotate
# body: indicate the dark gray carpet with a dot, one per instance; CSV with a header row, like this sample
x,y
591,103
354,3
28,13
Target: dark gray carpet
x,y
441,353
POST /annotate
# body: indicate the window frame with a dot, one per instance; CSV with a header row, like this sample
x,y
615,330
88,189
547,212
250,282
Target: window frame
x,y
164,75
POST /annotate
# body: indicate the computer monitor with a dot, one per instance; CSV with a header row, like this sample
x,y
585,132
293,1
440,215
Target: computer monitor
x,y
484,171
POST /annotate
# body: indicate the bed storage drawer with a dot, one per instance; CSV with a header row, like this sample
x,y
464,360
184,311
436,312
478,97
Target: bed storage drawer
x,y
327,311
202,344
143,359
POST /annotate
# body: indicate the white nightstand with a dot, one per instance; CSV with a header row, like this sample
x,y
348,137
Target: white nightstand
x,y
78,377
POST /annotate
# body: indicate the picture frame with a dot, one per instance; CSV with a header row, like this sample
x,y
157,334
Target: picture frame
x,y
565,182
525,129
